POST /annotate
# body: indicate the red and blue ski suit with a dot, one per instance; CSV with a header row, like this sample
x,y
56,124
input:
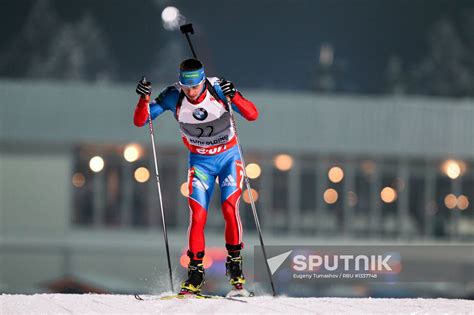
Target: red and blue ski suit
x,y
207,131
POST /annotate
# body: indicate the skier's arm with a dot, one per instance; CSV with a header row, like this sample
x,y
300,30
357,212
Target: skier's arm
x,y
240,104
140,116
165,101
245,107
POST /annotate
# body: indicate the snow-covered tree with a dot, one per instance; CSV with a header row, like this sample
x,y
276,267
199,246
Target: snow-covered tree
x,y
395,76
78,51
31,43
445,70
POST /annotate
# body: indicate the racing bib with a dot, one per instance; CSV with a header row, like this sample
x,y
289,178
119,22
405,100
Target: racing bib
x,y
205,125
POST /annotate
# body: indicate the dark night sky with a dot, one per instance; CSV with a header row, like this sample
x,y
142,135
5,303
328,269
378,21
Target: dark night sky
x,y
265,43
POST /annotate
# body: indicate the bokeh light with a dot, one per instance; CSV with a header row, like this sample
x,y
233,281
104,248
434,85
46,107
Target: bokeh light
x,y
463,202
132,152
453,168
330,196
253,170
283,162
96,164
142,174
335,174
368,167
78,180
245,195
184,190
450,201
388,194
207,261
352,198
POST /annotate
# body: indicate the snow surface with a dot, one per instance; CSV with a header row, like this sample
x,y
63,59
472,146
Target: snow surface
x,y
126,304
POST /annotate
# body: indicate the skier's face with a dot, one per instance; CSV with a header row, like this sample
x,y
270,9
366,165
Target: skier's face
x,y
193,92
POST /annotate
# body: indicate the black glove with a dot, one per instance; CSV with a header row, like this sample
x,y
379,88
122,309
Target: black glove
x,y
227,88
143,87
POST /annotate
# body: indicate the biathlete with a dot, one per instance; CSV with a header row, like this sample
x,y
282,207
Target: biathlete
x,y
198,104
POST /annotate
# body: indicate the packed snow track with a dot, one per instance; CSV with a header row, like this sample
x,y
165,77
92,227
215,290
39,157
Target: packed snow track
x,y
127,304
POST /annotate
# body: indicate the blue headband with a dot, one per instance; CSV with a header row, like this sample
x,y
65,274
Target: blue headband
x,y
192,78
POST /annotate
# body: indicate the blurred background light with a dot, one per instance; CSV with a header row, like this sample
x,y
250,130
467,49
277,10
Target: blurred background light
x,y
78,180
368,167
207,261
335,174
453,168
283,162
245,195
184,190
388,194
96,164
142,174
330,196
253,170
352,198
463,202
132,152
450,201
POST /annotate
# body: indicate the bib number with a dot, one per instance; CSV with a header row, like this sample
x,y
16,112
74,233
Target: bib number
x,y
201,131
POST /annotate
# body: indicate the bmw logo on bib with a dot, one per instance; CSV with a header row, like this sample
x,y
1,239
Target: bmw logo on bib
x,y
200,114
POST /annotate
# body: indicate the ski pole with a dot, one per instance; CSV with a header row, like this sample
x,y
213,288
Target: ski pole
x,y
249,191
188,28
165,234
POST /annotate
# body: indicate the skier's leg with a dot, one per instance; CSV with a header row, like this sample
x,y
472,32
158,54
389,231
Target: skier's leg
x,y
230,180
201,186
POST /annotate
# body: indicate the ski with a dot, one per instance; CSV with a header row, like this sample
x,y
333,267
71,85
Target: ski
x,y
189,296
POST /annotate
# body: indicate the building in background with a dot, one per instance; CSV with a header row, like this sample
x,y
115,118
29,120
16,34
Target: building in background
x,y
79,199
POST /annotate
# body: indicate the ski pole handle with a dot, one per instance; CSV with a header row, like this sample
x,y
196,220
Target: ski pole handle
x,y
144,82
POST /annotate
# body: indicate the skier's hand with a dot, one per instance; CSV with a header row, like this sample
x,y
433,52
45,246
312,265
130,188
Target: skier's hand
x,y
143,88
227,88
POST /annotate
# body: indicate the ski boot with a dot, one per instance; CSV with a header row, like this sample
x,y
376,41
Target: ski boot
x,y
233,268
234,272
195,279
